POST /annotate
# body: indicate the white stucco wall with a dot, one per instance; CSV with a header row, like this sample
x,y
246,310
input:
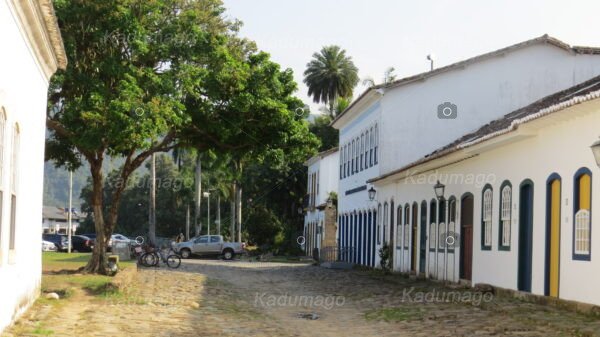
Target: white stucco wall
x,y
483,91
559,144
23,90
358,200
327,167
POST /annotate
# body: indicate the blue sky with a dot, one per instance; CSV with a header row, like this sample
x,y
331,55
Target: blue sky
x,y
383,33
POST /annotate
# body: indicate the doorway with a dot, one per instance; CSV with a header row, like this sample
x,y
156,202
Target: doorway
x,y
525,236
466,237
552,236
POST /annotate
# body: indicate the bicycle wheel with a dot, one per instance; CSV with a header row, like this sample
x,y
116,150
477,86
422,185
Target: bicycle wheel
x,y
173,261
148,259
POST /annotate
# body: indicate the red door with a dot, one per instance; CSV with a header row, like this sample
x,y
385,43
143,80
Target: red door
x,y
466,244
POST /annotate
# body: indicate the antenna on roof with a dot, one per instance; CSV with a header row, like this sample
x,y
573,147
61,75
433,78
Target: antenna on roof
x,y
431,58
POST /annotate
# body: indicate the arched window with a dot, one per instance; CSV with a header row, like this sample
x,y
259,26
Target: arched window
x,y
343,159
376,142
399,227
385,220
362,150
391,229
486,218
450,242
348,160
14,169
442,232
582,214
505,215
367,149
378,217
432,225
353,155
356,155
371,148
406,226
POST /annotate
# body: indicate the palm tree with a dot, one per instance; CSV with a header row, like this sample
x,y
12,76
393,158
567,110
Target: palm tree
x,y
330,75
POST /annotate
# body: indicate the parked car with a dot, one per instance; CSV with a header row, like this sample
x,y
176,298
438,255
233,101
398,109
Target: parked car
x,y
48,246
117,239
81,243
60,240
208,245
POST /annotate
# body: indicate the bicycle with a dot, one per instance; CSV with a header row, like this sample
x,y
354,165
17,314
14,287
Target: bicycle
x,y
153,258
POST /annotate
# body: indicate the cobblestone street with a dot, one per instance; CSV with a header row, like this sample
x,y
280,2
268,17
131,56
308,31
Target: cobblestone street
x,y
218,298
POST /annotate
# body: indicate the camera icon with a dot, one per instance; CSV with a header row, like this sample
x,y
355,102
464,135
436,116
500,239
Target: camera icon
x,y
447,110
449,240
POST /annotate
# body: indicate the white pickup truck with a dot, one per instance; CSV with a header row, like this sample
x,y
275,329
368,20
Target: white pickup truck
x,y
208,245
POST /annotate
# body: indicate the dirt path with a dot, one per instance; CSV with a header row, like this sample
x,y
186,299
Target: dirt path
x,y
219,298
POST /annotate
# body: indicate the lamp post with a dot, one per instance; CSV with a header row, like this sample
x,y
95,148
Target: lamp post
x,y
439,190
207,195
372,193
596,151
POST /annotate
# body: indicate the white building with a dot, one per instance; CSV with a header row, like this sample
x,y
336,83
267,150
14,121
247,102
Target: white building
x,y
407,126
319,229
55,220
32,51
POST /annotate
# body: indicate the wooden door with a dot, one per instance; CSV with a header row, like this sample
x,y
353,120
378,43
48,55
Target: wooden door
x,y
466,237
553,239
525,236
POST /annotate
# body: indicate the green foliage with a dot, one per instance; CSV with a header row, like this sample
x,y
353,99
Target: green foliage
x,y
328,135
330,75
384,258
263,226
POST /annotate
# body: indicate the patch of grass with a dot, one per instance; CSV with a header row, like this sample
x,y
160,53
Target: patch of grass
x,y
40,330
55,261
394,314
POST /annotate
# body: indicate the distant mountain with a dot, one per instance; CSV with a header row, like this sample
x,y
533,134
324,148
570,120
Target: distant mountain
x,y
56,182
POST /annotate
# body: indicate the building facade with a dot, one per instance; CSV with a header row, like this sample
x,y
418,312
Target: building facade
x,y
32,52
319,221
415,119
55,220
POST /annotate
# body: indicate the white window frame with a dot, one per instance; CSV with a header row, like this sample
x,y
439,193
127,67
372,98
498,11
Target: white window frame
x,y
582,232
506,215
487,213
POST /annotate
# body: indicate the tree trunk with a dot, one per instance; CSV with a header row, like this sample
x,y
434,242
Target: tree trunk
x,y
218,214
238,208
98,261
233,213
187,223
152,213
198,194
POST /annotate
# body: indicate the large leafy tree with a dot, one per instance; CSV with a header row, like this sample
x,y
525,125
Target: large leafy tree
x,y
131,63
149,76
330,74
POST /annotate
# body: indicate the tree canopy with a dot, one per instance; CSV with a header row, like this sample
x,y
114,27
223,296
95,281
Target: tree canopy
x,y
148,76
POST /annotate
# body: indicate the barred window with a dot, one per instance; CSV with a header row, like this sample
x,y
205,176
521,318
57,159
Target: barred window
x,y
582,216
582,232
487,217
442,236
406,226
505,215
432,235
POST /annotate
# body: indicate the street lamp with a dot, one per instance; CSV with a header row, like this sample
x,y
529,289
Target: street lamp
x,y
207,195
596,151
439,190
372,193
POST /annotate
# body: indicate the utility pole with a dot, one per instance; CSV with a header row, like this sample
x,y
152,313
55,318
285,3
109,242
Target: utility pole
x,y
152,213
207,196
187,223
69,216
218,214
